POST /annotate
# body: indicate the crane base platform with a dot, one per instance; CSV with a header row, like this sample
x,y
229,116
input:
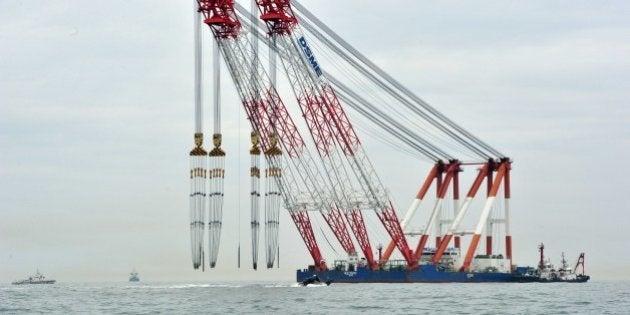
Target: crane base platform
x,y
425,273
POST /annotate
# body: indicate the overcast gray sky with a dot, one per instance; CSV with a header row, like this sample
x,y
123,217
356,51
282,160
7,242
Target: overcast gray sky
x,y
96,121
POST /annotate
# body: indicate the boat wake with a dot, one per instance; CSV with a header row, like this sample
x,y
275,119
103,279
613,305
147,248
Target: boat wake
x,y
183,286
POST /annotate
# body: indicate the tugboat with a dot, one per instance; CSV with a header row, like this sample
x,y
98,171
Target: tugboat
x,y
546,272
133,276
38,278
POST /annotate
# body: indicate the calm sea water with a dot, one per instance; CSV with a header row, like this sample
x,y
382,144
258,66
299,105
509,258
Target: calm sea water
x,y
288,298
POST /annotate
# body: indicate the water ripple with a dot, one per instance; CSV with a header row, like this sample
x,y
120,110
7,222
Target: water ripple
x,y
289,298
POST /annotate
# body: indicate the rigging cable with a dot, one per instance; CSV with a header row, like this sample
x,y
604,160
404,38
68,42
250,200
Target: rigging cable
x,y
394,82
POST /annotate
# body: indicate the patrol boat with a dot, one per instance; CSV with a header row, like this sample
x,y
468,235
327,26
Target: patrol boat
x,y
133,276
38,278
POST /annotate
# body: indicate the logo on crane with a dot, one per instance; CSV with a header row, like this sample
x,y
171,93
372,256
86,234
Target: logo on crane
x,y
309,55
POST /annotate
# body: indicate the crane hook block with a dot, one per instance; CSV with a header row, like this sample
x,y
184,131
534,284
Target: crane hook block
x,y
198,139
255,137
216,140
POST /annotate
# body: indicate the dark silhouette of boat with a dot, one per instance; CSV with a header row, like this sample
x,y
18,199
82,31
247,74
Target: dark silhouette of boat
x,y
133,276
314,280
38,278
546,272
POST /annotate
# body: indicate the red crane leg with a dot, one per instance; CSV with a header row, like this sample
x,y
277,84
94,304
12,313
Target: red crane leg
x,y
355,219
392,225
302,221
508,248
442,247
488,245
335,221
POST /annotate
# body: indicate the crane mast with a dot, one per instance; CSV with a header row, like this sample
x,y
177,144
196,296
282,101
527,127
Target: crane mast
x,y
340,186
269,117
319,123
329,210
281,21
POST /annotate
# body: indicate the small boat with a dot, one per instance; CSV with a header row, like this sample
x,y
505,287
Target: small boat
x,y
546,272
314,280
133,276
38,278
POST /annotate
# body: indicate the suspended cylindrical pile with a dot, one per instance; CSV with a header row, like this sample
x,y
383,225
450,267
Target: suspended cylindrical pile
x,y
198,174
255,195
255,161
198,162
217,172
273,199
217,167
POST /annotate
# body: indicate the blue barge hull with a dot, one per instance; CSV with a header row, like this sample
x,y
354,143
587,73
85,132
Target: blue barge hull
x,y
426,273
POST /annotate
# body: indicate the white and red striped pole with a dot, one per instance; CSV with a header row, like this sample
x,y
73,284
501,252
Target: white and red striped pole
x,y
489,223
484,217
412,209
460,214
443,185
455,205
508,232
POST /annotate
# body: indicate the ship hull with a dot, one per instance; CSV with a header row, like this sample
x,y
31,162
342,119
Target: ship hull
x,y
34,282
522,279
426,273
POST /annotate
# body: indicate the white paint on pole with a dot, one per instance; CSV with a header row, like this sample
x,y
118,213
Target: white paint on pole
x,y
484,214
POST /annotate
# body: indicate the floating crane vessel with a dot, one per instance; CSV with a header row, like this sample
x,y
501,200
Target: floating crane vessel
x,y
325,170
